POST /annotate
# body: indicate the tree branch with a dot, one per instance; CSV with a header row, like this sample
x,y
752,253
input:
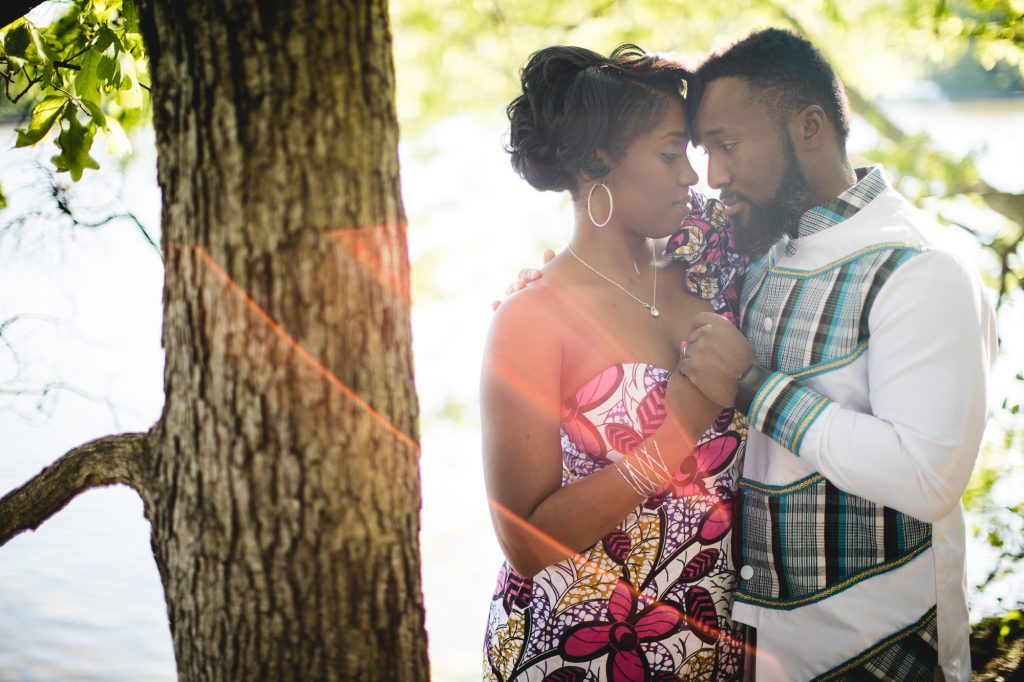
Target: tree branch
x,y
120,216
105,461
31,82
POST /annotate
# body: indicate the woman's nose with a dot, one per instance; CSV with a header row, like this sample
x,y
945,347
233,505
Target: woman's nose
x,y
688,176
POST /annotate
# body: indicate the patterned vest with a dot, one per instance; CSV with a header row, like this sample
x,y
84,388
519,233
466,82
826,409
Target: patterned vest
x,y
808,540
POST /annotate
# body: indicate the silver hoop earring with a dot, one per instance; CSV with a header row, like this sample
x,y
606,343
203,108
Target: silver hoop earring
x,y
611,204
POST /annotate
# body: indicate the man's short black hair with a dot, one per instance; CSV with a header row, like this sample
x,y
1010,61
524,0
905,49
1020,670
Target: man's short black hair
x,y
786,72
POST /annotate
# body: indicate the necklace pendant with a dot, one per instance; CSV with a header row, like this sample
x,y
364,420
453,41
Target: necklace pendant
x,y
654,293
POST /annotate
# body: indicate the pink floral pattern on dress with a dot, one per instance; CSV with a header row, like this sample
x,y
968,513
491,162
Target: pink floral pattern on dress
x,y
590,395
650,600
631,622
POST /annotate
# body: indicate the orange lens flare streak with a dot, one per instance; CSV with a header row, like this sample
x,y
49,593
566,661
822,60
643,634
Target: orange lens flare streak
x,y
303,353
526,390
363,245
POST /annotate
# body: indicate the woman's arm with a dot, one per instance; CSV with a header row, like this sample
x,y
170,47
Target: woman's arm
x,y
537,521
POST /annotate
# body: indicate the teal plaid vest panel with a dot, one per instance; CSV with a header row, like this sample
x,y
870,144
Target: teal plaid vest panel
x,y
808,540
817,319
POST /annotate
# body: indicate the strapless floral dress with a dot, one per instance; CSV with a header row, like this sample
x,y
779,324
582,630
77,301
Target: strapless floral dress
x,y
651,600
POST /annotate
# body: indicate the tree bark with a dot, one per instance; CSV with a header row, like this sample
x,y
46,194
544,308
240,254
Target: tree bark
x,y
110,460
284,493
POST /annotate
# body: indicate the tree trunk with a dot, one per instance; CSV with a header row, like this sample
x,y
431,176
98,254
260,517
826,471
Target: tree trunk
x,y
282,481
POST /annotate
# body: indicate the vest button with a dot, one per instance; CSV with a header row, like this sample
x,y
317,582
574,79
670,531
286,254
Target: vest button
x,y
747,572
767,324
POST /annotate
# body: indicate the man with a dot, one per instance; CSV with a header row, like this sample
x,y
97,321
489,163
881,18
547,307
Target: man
x,y
864,373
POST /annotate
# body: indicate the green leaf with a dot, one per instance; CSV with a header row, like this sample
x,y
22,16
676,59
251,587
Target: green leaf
x,y
16,41
105,38
105,11
130,96
95,112
75,143
46,75
131,16
108,70
16,64
44,53
43,116
117,141
3,198
87,83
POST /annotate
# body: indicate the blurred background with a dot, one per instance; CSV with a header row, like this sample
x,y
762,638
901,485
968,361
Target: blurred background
x,y
937,91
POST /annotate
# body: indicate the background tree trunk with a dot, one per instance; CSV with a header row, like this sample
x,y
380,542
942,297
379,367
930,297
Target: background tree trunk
x,y
282,481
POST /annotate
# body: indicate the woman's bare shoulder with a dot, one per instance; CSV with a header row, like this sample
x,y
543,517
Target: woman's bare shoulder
x,y
534,308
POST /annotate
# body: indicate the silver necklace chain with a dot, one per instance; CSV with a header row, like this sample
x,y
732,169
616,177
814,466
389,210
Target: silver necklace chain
x,y
654,294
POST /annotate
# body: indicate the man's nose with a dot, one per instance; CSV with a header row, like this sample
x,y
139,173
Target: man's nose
x,y
718,174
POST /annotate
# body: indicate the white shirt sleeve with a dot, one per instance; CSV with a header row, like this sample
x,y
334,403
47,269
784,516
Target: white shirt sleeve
x,y
932,344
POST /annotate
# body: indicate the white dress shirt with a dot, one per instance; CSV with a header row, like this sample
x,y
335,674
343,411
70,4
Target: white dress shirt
x,y
896,419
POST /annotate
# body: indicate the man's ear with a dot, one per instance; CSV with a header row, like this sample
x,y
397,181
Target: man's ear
x,y
809,127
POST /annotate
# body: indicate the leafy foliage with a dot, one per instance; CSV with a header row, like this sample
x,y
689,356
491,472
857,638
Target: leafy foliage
x,y
87,71
997,647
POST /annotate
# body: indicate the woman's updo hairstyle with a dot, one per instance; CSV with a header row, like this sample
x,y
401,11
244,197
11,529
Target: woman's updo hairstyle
x,y
575,102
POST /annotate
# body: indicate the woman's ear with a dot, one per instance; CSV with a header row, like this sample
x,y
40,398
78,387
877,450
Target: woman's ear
x,y
599,165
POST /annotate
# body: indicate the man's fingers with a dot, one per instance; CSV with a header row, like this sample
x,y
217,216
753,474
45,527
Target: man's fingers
x,y
529,274
548,255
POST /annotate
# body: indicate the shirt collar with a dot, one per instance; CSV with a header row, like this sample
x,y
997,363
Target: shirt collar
x,y
870,183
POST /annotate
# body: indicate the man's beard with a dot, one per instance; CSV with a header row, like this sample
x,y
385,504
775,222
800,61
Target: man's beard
x,y
780,215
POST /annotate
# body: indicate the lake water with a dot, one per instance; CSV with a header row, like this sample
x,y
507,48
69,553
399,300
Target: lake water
x,y
80,598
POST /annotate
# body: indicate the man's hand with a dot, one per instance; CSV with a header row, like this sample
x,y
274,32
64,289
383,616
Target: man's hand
x,y
715,356
526,275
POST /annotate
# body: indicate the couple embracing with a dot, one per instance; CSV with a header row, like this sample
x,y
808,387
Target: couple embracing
x,y
727,438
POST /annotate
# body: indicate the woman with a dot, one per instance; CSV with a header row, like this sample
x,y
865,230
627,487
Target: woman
x,y
611,478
